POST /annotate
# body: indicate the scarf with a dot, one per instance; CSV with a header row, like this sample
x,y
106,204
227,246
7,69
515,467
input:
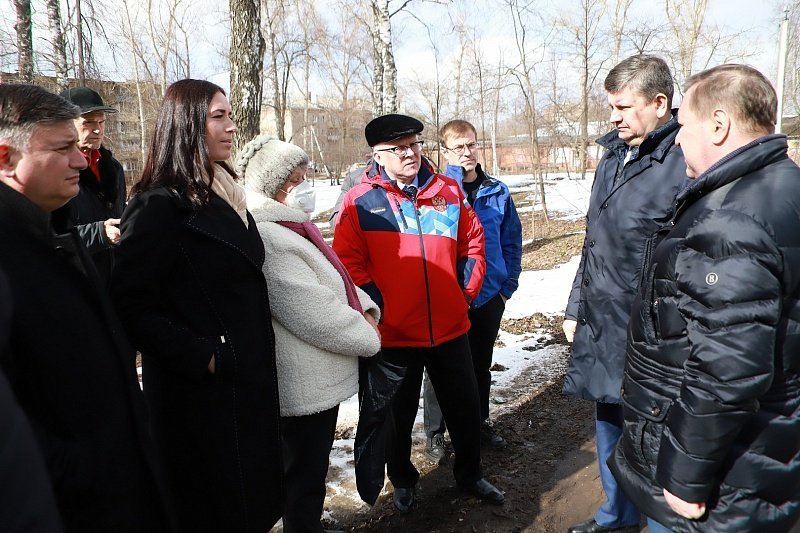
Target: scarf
x,y
230,191
311,232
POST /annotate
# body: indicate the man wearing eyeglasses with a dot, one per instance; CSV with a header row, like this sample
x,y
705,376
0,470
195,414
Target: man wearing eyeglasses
x,y
409,239
502,230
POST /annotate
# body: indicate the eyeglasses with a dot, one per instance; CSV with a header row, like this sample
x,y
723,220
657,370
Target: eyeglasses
x,y
459,148
402,150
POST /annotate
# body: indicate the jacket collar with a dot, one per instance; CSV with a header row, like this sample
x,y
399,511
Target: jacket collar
x,y
270,210
748,158
220,222
32,217
457,173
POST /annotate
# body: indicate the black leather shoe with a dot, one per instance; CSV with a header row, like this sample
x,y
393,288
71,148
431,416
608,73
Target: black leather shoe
x,y
590,526
404,498
485,491
489,436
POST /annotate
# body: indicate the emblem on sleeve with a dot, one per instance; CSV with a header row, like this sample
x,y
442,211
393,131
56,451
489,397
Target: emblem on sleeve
x,y
712,278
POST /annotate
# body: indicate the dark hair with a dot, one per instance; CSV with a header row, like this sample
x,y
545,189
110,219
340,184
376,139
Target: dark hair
x,y
649,75
741,90
178,155
23,106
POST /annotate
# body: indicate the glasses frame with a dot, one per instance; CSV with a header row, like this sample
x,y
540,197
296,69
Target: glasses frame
x,y
459,149
415,147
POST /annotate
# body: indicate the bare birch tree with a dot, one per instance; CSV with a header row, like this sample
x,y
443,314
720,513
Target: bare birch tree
x,y
129,35
344,62
246,62
618,20
284,49
685,19
522,12
384,81
584,40
59,43
161,35
24,29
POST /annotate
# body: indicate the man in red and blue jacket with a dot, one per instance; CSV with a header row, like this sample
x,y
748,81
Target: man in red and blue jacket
x,y
409,239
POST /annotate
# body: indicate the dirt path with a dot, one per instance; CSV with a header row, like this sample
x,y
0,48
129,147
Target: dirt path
x,y
547,471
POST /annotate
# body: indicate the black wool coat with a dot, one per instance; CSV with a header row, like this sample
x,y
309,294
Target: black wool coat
x,y
73,372
27,503
627,205
95,203
712,382
188,284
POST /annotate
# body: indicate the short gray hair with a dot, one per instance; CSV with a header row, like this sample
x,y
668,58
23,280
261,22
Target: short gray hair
x,y
23,106
649,75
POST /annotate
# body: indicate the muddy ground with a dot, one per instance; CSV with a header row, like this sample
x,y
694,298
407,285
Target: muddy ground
x,y
548,470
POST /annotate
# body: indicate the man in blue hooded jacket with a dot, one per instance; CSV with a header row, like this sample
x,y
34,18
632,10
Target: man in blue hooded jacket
x,y
492,202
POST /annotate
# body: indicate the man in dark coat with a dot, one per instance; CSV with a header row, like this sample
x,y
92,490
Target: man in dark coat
x,y
27,504
68,362
712,379
633,192
97,208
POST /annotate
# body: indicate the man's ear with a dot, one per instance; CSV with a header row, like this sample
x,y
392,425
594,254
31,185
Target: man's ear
x,y
8,163
721,124
662,105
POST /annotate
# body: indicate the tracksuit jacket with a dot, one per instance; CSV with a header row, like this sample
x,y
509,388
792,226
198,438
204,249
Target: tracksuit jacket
x,y
421,260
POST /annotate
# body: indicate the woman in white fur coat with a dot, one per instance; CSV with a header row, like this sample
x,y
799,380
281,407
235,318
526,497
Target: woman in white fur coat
x,y
322,321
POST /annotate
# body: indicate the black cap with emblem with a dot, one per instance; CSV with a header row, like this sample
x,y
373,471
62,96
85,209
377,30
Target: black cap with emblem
x,y
388,127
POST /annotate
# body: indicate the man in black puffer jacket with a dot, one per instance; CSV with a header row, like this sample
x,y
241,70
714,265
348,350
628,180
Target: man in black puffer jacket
x,y
712,378
97,209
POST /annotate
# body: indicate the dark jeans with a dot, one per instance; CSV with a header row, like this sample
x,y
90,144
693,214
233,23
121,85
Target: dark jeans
x,y
307,442
617,510
485,322
449,367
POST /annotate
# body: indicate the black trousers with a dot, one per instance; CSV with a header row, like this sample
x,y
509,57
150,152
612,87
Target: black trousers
x,y
449,367
307,442
485,322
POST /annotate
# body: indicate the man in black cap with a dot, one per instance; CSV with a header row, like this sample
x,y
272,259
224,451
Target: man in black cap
x,y
97,208
409,239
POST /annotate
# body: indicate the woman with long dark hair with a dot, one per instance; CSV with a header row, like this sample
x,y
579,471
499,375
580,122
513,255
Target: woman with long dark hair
x,y
190,290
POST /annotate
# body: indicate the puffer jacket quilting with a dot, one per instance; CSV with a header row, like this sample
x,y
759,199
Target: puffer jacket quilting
x,y
712,378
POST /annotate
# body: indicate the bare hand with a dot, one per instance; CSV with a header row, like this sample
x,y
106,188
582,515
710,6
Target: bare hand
x,y
112,230
372,322
212,364
692,511
569,327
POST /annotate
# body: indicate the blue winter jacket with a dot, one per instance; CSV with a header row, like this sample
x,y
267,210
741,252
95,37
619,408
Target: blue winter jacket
x,y
503,233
